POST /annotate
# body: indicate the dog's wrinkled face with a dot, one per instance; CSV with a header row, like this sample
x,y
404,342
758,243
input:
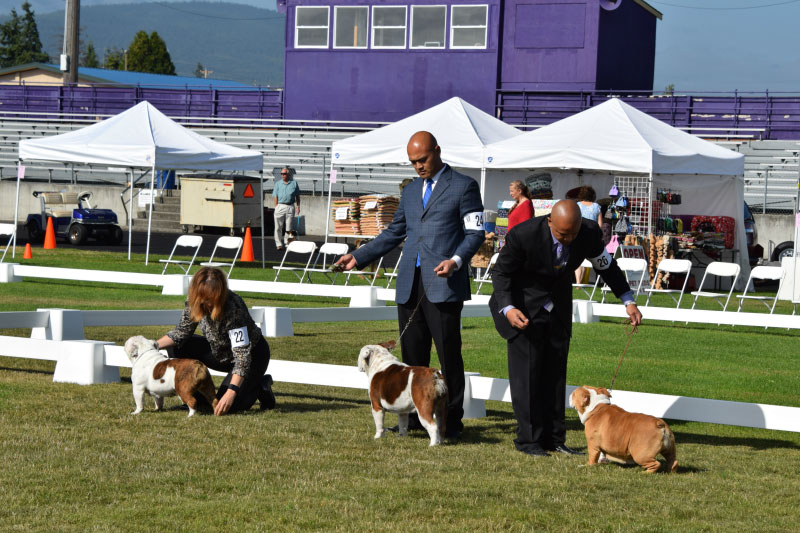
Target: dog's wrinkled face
x,y
370,354
137,345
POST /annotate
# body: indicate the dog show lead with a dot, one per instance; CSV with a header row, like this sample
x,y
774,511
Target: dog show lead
x,y
233,343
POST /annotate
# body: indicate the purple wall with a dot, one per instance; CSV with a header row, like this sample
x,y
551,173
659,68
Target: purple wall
x,y
627,48
549,46
577,45
386,85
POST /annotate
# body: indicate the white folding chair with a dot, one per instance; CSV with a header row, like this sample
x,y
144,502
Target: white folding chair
x,y
628,265
774,273
720,270
334,250
9,230
486,275
671,266
586,286
374,273
184,241
228,243
296,247
393,274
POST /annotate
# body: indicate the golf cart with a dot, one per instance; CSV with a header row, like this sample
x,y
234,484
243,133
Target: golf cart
x,y
71,220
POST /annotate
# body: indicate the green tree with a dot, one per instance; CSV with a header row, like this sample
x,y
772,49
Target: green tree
x,y
19,39
89,59
198,72
149,54
114,59
669,89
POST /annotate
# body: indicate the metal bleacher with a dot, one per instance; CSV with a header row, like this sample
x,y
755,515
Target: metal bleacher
x,y
306,147
771,166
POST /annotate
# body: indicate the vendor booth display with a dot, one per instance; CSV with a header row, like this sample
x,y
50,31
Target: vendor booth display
x,y
614,143
346,216
376,212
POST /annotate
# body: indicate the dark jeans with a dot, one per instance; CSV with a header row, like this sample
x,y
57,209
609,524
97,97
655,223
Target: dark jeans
x,y
440,323
197,347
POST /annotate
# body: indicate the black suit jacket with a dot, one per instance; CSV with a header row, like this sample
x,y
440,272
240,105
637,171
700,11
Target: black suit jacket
x,y
524,276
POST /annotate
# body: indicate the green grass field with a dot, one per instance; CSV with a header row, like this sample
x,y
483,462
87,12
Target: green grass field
x,y
75,460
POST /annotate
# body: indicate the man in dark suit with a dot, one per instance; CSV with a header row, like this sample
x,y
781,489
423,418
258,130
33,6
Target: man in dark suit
x,y
532,309
441,219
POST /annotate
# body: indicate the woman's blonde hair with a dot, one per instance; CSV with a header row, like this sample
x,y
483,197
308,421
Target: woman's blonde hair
x,y
208,293
517,184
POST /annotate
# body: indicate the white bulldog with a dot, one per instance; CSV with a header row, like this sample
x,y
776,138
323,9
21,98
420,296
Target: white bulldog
x,y
161,376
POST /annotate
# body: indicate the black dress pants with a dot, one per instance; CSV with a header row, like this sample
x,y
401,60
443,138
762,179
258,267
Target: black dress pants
x,y
537,370
440,323
197,347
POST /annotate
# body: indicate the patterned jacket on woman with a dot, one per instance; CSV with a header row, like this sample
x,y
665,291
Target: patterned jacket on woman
x,y
232,338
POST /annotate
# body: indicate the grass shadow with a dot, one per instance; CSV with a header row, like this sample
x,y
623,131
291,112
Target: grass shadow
x,y
715,440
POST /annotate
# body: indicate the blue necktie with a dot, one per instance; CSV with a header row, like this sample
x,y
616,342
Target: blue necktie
x,y
425,198
427,195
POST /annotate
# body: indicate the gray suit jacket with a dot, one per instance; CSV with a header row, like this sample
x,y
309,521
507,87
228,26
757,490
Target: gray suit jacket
x,y
435,233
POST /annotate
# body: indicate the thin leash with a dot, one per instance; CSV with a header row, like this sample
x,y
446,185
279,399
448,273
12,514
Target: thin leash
x,y
411,317
629,331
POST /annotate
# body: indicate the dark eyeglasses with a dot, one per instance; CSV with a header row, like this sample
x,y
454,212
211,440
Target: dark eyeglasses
x,y
284,173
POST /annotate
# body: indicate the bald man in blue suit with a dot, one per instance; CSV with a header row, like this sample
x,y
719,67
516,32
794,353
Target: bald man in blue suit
x,y
440,216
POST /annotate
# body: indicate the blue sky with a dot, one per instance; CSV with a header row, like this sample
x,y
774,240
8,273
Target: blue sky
x,y
715,45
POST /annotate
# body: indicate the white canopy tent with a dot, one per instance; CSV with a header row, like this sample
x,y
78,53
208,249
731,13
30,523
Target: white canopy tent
x,y
461,129
614,138
141,137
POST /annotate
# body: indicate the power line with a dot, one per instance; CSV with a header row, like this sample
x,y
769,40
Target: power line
x,y
761,6
169,6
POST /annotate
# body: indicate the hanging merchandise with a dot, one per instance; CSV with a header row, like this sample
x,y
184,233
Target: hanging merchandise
x,y
614,191
622,225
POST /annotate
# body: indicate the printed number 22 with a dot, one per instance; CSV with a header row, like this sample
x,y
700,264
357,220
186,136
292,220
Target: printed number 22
x,y
238,336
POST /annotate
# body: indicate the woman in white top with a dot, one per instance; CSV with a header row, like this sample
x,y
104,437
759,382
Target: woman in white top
x,y
591,210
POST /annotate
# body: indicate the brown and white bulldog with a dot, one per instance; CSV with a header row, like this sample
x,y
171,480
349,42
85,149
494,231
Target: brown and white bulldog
x,y
617,435
398,388
155,373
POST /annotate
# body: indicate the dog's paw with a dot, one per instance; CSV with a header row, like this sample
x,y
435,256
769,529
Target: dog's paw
x,y
379,434
136,412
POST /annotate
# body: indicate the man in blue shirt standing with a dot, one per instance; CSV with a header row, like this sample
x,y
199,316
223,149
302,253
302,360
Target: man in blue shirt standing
x,y
287,196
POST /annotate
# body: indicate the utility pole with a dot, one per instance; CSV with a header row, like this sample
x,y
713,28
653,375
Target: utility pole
x,y
71,25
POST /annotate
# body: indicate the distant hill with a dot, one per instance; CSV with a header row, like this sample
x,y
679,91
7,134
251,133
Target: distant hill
x,y
235,41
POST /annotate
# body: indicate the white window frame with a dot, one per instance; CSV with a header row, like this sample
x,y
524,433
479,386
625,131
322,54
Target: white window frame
x,y
335,28
327,27
411,29
405,28
485,28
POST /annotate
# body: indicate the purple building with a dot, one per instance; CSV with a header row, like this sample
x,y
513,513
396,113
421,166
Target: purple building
x,y
382,60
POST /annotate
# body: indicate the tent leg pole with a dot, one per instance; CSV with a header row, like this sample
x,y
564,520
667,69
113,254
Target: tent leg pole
x,y
649,206
263,222
328,214
150,215
130,219
20,170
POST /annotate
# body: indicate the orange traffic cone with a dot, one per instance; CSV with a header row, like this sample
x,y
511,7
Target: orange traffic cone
x,y
49,235
27,254
247,247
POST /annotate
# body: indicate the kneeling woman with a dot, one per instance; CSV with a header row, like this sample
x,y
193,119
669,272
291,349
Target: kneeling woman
x,y
232,343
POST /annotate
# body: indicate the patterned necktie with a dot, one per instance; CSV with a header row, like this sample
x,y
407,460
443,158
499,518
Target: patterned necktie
x,y
427,195
425,198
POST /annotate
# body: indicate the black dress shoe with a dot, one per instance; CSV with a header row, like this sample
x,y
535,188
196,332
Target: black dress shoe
x,y
453,435
566,450
266,398
535,451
